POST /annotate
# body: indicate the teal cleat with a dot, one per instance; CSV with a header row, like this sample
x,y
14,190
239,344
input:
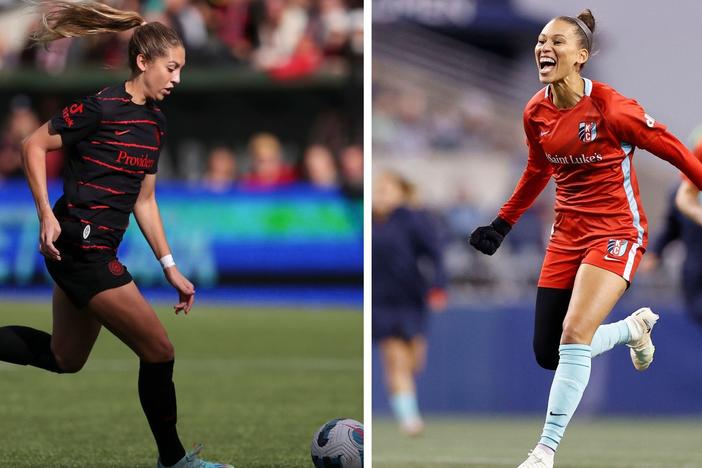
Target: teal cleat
x,y
191,460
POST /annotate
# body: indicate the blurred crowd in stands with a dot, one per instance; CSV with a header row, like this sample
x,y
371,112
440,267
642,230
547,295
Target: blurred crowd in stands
x,y
265,166
263,163
409,121
285,38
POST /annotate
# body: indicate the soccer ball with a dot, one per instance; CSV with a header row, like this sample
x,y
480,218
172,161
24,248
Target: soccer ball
x,y
338,444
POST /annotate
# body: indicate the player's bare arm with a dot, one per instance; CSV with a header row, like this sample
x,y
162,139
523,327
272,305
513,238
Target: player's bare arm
x,y
148,217
687,201
34,150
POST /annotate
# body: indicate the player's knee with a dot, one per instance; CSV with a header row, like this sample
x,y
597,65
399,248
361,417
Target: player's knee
x,y
159,350
68,364
575,333
546,357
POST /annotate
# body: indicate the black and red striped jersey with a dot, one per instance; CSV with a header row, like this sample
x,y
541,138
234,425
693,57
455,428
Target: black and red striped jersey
x,y
110,143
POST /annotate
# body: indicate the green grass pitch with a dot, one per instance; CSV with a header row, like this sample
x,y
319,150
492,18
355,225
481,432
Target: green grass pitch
x,y
503,442
253,385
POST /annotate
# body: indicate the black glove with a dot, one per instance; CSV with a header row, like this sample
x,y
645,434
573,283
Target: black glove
x,y
487,239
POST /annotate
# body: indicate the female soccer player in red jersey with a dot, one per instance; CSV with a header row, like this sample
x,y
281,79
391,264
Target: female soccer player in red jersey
x,y
112,141
583,134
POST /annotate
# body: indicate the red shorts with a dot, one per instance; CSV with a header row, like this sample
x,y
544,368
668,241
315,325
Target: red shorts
x,y
560,266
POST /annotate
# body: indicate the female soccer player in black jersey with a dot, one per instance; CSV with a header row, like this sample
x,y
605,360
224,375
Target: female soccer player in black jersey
x,y
112,142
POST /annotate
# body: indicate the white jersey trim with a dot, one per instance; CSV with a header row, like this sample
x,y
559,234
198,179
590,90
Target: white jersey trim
x,y
633,206
588,87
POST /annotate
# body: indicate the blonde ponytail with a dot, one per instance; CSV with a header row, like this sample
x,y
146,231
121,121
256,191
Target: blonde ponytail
x,y
77,19
83,18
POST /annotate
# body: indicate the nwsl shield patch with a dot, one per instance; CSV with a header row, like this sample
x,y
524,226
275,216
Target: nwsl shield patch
x,y
617,247
587,131
115,267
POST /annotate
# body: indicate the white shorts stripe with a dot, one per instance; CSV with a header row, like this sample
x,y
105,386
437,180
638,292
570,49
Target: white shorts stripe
x,y
630,261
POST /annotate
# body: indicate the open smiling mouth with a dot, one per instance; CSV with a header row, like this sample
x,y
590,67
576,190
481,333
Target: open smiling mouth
x,y
546,64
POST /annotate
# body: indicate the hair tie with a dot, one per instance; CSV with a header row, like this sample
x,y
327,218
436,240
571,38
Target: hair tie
x,y
586,30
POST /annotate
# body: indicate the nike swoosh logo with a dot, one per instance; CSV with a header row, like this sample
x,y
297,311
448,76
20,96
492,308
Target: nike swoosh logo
x,y
556,414
607,257
648,327
545,133
121,132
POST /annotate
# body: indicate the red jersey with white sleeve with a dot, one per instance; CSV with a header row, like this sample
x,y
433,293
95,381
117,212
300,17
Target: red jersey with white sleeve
x,y
589,149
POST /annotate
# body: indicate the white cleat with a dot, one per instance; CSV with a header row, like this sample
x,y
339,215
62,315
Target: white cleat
x,y
538,458
642,348
413,427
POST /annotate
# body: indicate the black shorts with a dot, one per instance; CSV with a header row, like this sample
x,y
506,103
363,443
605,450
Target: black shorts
x,y
398,322
82,280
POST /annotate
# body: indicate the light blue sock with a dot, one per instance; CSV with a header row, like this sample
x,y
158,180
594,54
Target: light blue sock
x,y
404,406
568,385
610,335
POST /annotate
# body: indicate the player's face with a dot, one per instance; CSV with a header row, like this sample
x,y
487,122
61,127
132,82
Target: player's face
x,y
387,195
558,52
162,74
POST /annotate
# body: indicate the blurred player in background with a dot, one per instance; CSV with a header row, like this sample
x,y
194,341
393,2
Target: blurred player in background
x,y
112,142
686,216
402,294
21,121
677,226
583,133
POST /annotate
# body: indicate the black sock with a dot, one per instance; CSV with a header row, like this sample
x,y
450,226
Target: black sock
x,y
27,347
158,400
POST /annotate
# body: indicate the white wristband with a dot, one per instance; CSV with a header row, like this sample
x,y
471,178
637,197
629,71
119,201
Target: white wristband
x,y
166,261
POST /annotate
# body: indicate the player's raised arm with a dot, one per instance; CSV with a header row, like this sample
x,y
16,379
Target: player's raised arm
x,y
640,129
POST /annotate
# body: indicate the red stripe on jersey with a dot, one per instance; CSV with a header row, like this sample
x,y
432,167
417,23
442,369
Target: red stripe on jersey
x,y
104,228
114,99
134,145
101,187
127,122
93,207
95,161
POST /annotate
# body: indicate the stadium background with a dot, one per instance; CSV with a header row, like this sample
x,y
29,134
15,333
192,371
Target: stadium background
x,y
453,127
260,188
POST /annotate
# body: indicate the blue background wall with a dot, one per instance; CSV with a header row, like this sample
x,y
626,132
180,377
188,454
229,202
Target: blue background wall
x,y
296,242
480,361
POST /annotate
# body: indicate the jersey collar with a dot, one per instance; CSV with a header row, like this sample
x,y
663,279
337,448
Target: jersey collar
x,y
588,88
124,93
